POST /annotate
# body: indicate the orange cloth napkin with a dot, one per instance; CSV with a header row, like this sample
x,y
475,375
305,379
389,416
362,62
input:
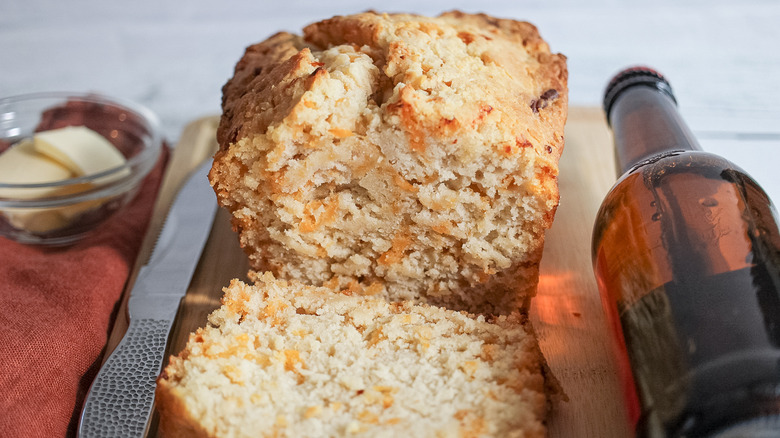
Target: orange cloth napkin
x,y
57,307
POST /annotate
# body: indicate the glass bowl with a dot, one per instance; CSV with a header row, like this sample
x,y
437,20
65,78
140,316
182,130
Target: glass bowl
x,y
64,211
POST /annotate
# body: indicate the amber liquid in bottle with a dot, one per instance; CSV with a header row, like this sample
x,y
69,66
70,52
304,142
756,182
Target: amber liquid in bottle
x,y
686,252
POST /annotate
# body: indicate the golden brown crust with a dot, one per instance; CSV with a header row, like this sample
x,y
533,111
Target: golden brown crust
x,y
175,420
263,65
416,156
551,72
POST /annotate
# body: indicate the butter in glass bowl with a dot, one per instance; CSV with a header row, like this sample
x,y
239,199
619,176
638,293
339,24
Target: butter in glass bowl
x,y
69,162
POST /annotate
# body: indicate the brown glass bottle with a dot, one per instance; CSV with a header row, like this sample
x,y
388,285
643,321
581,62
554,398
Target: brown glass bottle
x,y
686,253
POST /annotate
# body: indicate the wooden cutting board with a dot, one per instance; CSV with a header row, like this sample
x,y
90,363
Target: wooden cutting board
x,y
567,312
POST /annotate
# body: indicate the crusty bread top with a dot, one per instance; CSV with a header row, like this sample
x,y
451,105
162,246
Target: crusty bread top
x,y
273,75
282,359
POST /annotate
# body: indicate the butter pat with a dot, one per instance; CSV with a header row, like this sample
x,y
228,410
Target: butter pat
x,y
41,220
22,164
52,156
80,149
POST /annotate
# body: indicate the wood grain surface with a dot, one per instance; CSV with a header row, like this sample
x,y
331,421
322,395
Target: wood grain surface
x,y
566,313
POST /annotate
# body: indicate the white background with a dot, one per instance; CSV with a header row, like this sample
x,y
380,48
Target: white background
x,y
722,57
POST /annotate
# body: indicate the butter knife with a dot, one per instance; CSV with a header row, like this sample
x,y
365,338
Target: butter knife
x,y
120,400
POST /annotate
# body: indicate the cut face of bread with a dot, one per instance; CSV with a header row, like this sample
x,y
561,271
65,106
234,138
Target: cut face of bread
x,y
285,360
409,157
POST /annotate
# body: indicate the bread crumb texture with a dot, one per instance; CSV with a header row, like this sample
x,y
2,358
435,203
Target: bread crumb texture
x,y
402,156
280,359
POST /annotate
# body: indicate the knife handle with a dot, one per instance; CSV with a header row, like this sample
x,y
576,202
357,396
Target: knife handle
x,y
120,400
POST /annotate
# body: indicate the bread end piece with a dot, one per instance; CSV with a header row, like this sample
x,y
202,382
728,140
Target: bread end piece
x,y
282,359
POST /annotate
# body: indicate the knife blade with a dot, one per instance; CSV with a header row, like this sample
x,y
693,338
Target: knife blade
x,y
120,399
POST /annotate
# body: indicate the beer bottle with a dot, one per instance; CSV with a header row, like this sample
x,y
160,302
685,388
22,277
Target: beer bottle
x,y
686,253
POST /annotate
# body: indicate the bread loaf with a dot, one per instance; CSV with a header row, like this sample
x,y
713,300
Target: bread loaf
x,y
397,155
395,175
280,359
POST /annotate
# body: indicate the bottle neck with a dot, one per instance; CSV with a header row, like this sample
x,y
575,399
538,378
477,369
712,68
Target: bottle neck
x,y
645,122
